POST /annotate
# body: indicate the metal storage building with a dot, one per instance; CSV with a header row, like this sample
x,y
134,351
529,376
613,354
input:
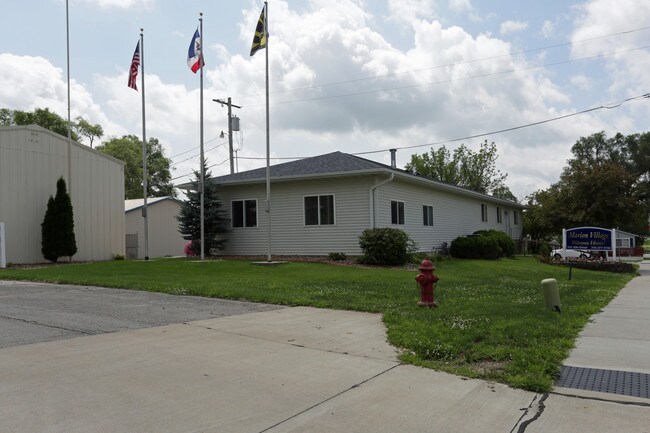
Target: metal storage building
x,y
31,161
164,238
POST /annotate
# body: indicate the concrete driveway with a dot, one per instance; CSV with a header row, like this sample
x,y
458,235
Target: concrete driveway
x,y
283,370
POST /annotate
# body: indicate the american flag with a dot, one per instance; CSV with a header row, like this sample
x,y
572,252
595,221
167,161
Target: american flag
x,y
135,63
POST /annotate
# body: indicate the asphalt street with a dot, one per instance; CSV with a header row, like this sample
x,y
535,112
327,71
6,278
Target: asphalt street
x,y
37,312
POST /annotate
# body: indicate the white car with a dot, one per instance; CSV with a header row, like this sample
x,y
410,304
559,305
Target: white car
x,y
561,253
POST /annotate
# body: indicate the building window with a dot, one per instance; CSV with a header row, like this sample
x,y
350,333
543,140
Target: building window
x,y
397,212
484,216
319,210
515,216
244,213
499,219
427,215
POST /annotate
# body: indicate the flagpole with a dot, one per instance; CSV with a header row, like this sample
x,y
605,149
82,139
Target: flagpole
x,y
202,183
67,40
145,215
268,140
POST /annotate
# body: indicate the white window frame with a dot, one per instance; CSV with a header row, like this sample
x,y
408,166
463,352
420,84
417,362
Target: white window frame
x,y
499,215
427,218
320,224
244,222
398,223
515,217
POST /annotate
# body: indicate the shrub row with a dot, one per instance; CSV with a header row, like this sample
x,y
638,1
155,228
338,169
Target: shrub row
x,y
483,244
599,265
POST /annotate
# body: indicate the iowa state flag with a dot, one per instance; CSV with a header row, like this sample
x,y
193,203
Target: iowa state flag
x,y
195,53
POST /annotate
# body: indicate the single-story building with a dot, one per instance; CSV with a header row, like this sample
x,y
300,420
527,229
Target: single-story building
x,y
32,159
163,236
322,204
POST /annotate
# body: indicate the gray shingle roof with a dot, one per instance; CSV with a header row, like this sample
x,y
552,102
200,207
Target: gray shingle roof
x,y
335,162
338,163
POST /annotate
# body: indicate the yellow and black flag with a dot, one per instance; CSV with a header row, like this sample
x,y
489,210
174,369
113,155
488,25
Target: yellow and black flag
x,y
259,40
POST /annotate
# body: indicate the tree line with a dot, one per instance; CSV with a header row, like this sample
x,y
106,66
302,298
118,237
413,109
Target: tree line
x,y
605,184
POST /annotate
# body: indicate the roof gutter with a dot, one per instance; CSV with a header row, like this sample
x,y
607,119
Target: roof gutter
x,y
372,198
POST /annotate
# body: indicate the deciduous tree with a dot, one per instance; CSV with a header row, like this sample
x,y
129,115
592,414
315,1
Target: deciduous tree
x,y
473,170
129,149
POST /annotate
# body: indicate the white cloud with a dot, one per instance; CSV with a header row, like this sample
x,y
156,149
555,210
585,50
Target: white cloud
x,y
407,11
120,4
465,6
629,71
337,84
548,29
512,27
36,83
581,81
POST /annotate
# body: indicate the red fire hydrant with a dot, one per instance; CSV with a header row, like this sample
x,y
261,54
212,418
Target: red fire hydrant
x,y
427,281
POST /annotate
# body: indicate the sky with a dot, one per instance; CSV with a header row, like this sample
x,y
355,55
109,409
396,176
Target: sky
x,y
355,76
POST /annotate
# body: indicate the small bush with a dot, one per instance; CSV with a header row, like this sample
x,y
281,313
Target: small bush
x,y
475,247
339,257
118,257
386,246
504,241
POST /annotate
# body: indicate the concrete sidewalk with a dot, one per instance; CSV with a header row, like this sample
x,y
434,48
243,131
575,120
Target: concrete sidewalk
x,y
615,345
287,370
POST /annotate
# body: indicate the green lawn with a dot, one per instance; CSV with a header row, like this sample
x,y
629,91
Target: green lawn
x,y
491,322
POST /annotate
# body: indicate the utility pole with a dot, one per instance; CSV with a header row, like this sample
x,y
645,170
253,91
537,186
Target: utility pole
x,y
230,105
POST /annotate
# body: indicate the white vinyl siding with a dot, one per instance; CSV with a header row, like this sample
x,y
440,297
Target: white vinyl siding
x,y
289,234
455,215
31,161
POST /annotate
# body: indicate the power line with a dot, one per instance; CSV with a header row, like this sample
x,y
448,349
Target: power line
x,y
194,156
610,106
194,148
514,128
511,53
450,80
208,167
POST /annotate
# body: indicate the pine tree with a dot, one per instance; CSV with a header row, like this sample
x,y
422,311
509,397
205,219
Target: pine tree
x,y
49,233
57,229
189,217
66,222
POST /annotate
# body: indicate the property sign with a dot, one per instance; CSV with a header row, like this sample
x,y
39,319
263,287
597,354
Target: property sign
x,y
588,238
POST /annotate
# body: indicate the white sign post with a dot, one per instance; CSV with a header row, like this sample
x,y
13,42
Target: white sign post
x,y
3,257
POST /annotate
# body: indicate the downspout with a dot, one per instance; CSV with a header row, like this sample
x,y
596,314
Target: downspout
x,y
372,198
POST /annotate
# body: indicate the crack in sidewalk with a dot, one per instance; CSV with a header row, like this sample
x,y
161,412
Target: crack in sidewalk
x,y
357,385
539,409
